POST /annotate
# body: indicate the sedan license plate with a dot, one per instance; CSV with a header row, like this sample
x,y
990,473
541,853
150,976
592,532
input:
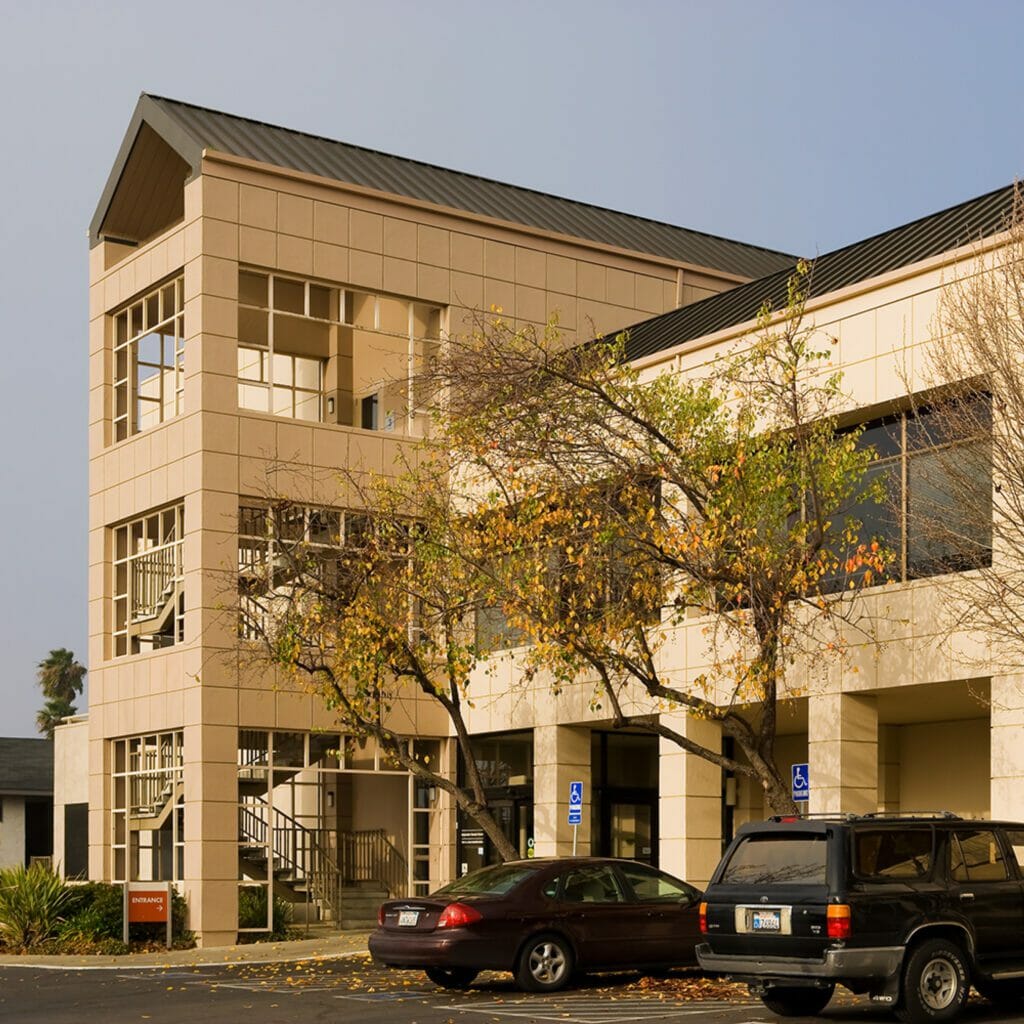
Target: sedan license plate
x,y
408,918
766,921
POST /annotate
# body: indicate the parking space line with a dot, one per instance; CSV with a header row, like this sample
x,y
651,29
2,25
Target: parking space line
x,y
587,1009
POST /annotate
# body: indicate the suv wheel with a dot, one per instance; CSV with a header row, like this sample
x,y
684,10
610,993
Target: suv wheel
x,y
545,964
935,983
797,1002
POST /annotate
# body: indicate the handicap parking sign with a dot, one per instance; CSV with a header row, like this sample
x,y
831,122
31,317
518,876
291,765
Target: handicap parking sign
x,y
801,782
575,803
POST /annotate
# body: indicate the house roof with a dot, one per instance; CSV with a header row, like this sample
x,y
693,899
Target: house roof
x,y
26,766
928,236
190,129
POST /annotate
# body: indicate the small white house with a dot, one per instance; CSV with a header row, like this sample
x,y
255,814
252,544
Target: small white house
x,y
26,800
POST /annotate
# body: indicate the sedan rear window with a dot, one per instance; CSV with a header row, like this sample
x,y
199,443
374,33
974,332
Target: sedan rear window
x,y
777,860
493,881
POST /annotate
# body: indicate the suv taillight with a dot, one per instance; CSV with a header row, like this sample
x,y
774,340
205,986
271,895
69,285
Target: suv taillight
x,y
838,917
457,915
702,917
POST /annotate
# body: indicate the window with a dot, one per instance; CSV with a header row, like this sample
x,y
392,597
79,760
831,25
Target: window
x,y
592,885
148,808
777,860
149,596
649,885
497,880
937,488
893,853
149,360
284,341
975,856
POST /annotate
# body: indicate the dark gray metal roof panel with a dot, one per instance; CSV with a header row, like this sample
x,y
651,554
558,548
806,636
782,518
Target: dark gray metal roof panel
x,y
26,766
283,147
899,247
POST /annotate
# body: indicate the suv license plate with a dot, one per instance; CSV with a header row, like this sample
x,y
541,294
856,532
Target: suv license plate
x,y
410,918
767,921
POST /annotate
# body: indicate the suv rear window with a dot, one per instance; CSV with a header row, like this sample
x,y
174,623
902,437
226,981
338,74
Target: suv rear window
x,y
777,860
893,853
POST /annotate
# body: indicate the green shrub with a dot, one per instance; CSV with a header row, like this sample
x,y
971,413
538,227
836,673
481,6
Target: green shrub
x,y
32,903
252,911
95,910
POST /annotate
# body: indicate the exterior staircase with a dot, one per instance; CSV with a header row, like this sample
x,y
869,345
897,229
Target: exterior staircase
x,y
346,880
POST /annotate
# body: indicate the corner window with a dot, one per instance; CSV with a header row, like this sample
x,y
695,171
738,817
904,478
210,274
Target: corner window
x,y
149,360
149,595
284,342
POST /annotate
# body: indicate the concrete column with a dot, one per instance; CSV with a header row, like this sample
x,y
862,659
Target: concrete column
x,y
561,754
690,808
1007,748
211,832
842,743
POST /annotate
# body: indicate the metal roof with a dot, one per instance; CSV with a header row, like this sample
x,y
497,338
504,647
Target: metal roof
x,y
899,247
26,766
190,129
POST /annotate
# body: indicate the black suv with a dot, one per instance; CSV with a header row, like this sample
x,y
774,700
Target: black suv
x,y
909,909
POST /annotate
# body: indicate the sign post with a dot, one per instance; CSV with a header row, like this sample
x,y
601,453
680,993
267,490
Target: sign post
x,y
801,783
147,903
575,810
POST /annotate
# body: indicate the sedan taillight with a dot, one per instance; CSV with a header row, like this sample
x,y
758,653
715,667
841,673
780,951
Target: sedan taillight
x,y
457,915
380,915
702,917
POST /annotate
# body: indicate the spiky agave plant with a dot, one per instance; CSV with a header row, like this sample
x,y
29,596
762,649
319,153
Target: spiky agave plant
x,y
31,903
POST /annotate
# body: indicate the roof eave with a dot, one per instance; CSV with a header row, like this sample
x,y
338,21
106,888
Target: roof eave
x,y
178,138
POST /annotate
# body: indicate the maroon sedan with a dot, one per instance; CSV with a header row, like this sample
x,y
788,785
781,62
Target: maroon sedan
x,y
542,920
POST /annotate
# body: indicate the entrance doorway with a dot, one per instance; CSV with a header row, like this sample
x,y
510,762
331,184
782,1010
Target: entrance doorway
x,y
624,774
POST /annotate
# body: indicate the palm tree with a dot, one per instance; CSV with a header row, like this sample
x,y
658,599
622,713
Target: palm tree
x,y
60,678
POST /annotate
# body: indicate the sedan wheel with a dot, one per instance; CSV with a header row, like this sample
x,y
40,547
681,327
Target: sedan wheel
x,y
451,977
545,964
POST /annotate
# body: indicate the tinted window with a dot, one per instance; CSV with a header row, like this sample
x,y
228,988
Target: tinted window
x,y
493,881
592,885
1016,841
648,884
777,860
891,853
975,856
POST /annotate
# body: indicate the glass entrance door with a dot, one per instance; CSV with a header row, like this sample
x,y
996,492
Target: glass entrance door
x,y
631,831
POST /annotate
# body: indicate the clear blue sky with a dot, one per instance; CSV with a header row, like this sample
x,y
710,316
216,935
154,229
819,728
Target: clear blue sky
x,y
794,125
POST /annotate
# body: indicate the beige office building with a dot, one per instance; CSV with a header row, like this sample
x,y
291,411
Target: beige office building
x,y
257,299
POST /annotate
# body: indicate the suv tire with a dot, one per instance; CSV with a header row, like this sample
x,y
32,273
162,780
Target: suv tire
x,y
545,964
935,983
797,1002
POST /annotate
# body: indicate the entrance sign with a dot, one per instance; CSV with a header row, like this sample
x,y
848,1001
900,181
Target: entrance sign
x,y
147,903
801,783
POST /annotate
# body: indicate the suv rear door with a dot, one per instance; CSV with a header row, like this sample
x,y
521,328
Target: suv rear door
x,y
983,888
769,896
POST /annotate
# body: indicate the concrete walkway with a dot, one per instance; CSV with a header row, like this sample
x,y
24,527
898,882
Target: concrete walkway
x,y
324,947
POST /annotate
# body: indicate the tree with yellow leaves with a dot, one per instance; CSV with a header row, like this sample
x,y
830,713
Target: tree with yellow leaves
x,y
618,508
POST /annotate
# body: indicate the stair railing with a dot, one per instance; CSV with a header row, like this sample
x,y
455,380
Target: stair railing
x,y
369,856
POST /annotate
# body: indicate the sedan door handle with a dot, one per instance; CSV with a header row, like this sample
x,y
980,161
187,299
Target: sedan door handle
x,y
966,896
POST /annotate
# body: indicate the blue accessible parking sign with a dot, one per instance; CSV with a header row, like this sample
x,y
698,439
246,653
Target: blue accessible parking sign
x,y
801,783
575,803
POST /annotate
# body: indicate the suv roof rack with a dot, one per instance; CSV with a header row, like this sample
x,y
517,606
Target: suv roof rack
x,y
867,816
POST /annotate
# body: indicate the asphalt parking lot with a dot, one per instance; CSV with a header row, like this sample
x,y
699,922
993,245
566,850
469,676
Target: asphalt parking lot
x,y
353,990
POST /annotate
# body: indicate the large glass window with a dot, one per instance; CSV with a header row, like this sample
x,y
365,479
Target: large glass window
x,y
936,515
148,592
284,341
149,360
148,808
